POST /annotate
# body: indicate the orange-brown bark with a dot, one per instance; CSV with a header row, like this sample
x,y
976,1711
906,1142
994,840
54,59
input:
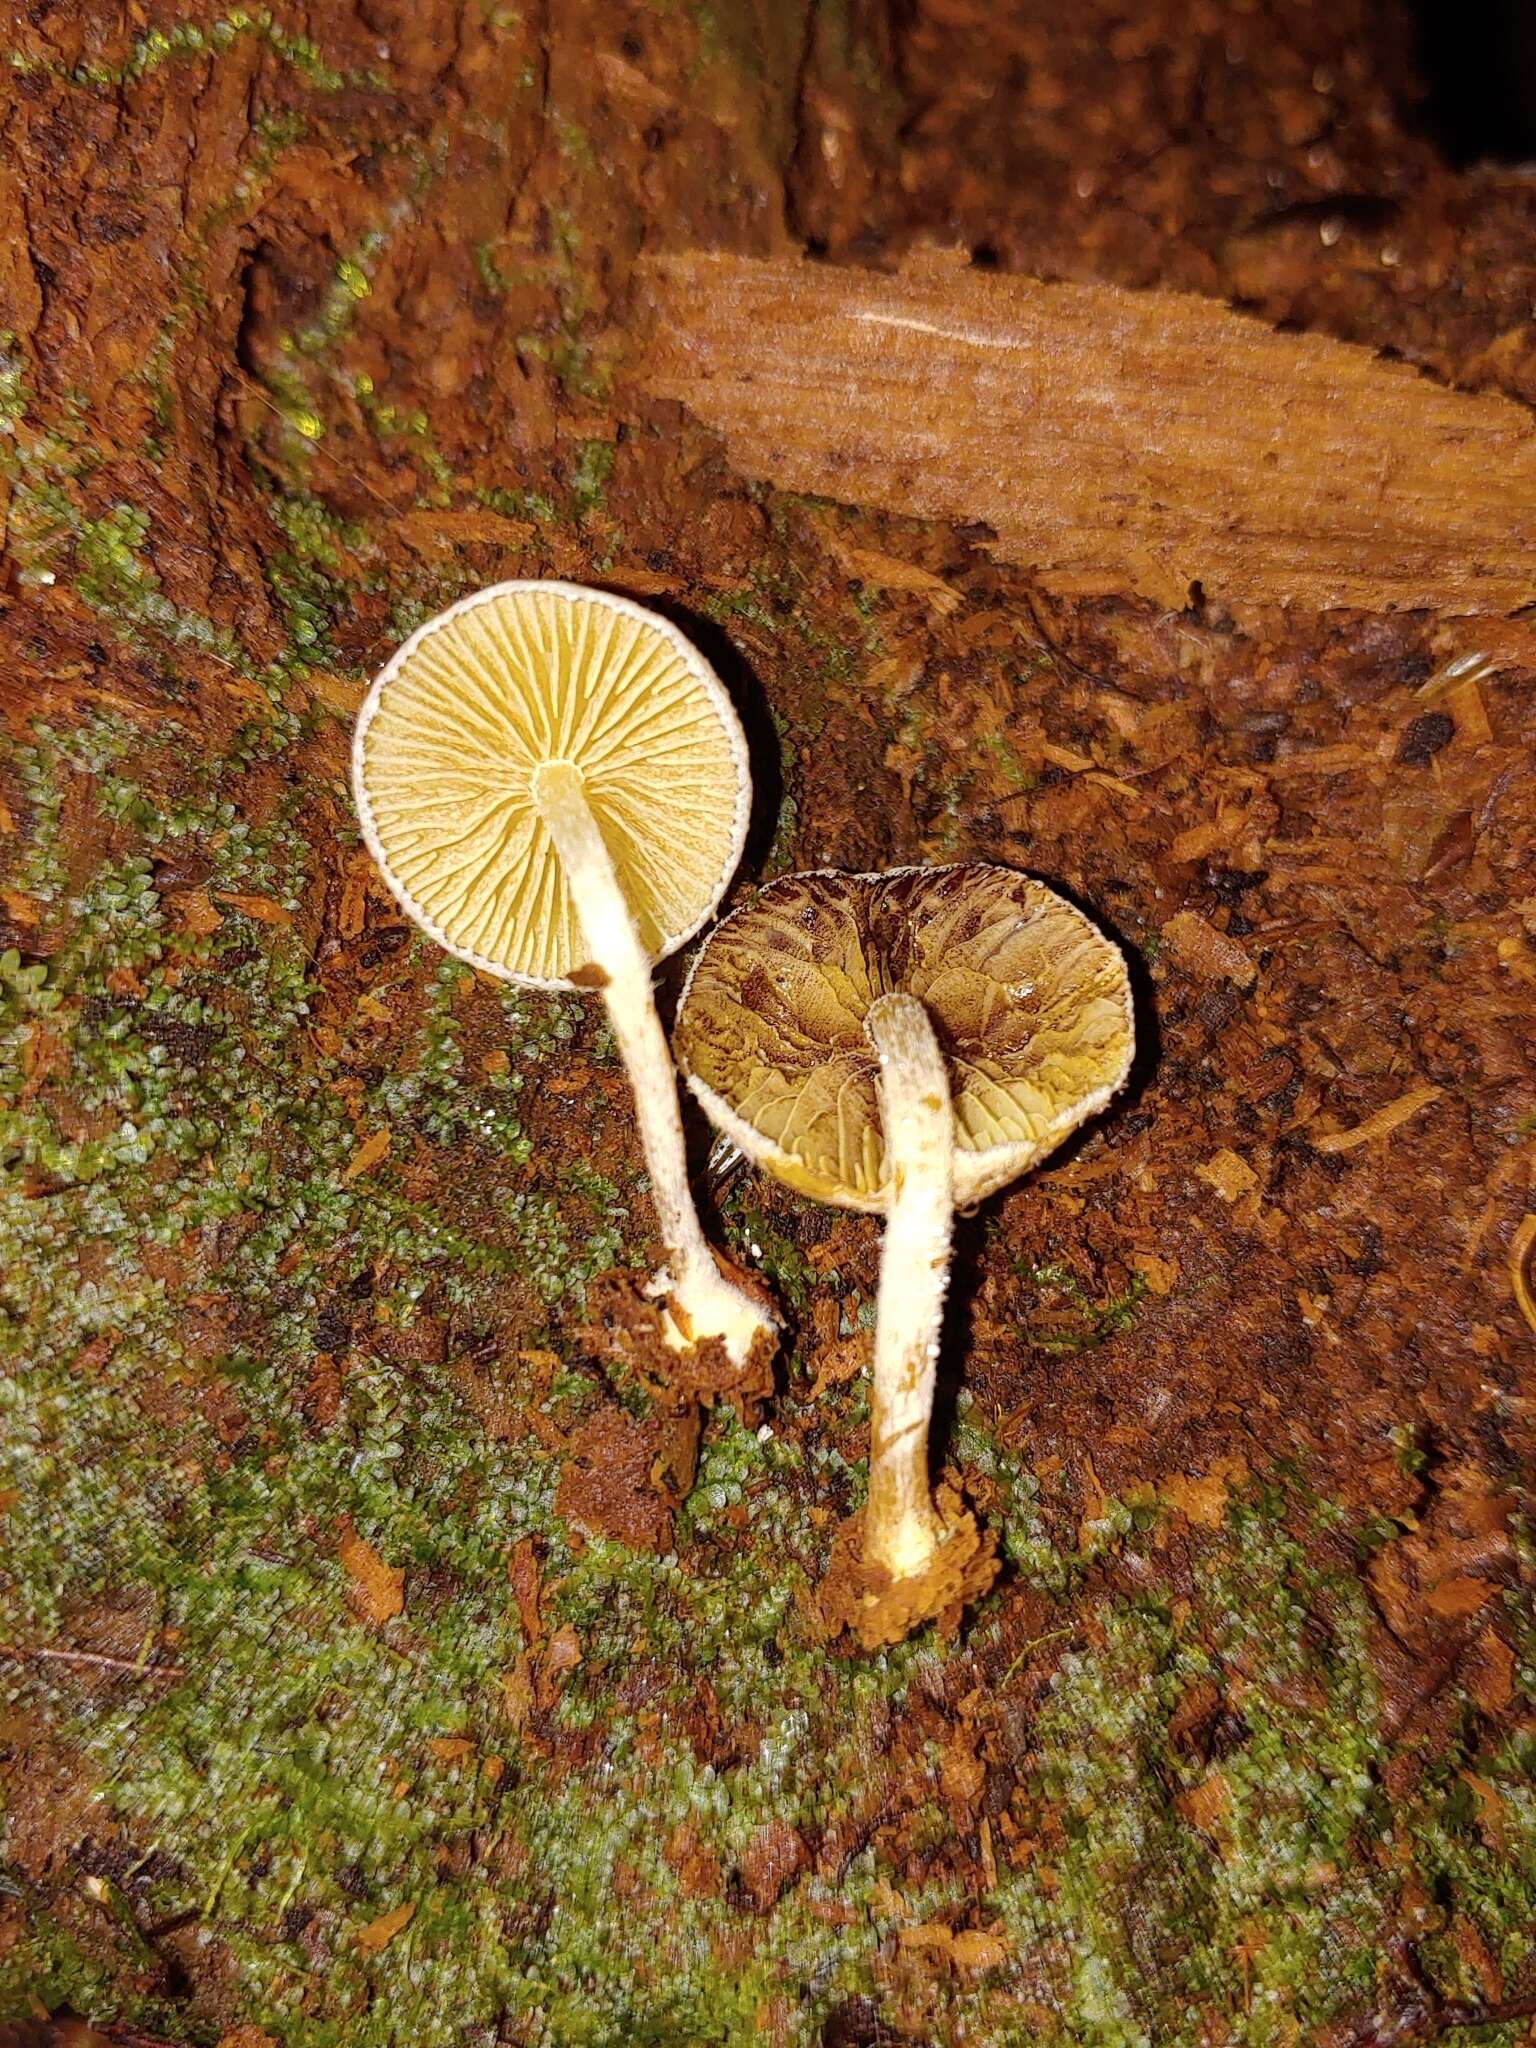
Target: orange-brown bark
x,y
1111,439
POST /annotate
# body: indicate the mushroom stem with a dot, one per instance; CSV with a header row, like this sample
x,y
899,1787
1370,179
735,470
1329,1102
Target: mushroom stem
x,y
901,1530
702,1299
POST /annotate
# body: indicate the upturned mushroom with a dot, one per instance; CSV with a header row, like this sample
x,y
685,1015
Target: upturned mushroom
x,y
555,786
907,1044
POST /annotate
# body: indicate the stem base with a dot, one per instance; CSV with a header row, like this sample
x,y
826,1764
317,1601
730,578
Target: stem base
x,y
641,1326
864,1600
703,1308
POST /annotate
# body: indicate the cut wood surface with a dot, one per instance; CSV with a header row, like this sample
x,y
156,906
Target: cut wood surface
x,y
1110,438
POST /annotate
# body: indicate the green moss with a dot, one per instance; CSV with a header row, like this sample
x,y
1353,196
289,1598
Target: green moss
x,y
25,989
114,579
573,142
565,343
190,40
1076,1321
518,504
724,605
758,1240
13,382
104,557
288,1780
1015,775
707,22
589,476
338,308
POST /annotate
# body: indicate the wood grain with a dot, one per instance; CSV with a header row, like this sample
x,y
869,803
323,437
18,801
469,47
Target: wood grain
x,y
1111,439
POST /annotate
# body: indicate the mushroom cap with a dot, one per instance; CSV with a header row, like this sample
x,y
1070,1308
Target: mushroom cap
x,y
517,675
1029,1000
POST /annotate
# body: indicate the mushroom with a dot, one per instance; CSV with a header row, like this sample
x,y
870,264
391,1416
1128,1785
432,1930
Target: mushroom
x,y
555,786
905,1043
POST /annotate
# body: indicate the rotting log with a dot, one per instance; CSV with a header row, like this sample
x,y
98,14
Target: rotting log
x,y
1111,439
315,311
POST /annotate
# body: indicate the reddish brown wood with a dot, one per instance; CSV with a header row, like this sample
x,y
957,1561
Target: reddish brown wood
x,y
1110,438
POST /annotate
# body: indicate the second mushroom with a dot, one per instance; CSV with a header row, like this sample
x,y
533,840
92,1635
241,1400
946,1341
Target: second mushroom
x,y
905,1043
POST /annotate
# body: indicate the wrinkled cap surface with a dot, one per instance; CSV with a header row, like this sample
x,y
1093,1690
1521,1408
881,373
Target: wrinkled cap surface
x,y
1029,1000
451,732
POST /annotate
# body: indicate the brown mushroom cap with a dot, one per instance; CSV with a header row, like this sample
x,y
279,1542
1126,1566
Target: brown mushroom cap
x,y
525,673
1029,1000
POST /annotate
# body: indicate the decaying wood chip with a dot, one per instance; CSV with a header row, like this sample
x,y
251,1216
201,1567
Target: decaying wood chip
x,y
432,527
1488,1672
517,1690
378,1934
1230,1175
1470,711
1451,1565
193,910
773,1858
1160,1274
1386,1119
890,572
1203,1498
523,1572
1109,438
261,908
342,693
376,1589
624,1476
1520,1248
561,1656
1200,949
927,1934
354,898
1205,1805
973,1948
368,1154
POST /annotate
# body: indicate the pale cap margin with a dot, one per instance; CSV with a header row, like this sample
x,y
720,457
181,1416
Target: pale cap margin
x,y
977,1174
